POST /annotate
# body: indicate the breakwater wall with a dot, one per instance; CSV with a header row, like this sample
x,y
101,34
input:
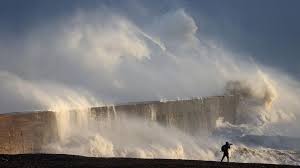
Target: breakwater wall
x,y
192,116
28,132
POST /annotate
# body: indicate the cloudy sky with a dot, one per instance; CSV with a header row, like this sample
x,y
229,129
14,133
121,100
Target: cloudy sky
x,y
267,30
115,49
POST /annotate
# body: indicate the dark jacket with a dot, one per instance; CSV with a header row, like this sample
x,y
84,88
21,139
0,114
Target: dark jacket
x,y
225,148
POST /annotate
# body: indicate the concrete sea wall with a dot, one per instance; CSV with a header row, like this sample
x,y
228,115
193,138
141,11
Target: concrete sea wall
x,y
191,116
27,132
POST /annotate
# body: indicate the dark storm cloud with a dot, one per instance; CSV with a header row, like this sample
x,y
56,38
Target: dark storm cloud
x,y
267,30
20,16
17,17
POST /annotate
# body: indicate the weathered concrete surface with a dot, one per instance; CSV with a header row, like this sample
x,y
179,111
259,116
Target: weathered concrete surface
x,y
26,132
57,161
29,132
191,116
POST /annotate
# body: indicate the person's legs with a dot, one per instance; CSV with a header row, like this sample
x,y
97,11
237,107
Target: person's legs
x,y
223,157
227,158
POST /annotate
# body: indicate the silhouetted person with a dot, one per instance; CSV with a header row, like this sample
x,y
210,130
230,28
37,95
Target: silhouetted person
x,y
225,148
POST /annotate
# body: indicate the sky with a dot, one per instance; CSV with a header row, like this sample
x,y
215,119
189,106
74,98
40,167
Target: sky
x,y
131,50
268,31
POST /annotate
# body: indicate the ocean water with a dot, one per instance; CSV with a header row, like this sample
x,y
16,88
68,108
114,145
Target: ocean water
x,y
117,135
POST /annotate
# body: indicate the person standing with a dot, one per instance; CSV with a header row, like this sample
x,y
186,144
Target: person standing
x,y
225,149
